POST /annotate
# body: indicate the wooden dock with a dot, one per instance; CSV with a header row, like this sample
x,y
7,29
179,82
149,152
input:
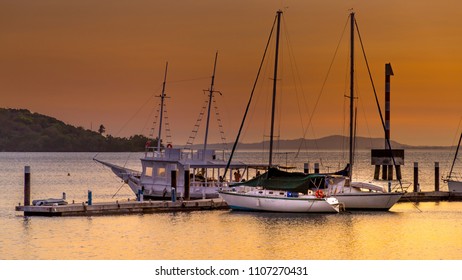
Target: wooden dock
x,y
137,207
126,207
431,196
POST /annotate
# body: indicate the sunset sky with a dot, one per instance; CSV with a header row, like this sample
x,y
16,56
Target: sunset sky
x,y
92,62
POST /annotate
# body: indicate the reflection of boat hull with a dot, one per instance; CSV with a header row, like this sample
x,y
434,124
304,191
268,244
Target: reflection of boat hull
x,y
454,186
275,201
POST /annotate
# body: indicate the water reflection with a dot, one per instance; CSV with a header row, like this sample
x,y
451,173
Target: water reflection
x,y
402,233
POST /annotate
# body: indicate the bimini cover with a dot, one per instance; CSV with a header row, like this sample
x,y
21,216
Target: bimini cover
x,y
276,179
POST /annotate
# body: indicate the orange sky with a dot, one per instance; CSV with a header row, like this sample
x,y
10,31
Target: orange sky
x,y
99,62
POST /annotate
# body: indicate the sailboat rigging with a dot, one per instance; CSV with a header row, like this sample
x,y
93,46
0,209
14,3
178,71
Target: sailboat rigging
x,y
360,195
162,98
204,166
280,191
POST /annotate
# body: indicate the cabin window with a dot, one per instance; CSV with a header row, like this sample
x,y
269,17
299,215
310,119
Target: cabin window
x,y
161,172
148,171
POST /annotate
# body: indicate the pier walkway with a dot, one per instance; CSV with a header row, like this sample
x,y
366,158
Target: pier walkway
x,y
126,207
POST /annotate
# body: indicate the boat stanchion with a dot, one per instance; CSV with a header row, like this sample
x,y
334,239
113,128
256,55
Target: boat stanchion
x,y
187,182
173,184
26,185
437,176
416,176
90,198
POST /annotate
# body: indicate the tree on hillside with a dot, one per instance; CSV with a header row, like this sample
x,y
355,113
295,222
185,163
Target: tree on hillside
x,y
101,129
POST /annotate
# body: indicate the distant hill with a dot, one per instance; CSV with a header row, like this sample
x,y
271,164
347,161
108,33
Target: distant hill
x,y
335,142
23,131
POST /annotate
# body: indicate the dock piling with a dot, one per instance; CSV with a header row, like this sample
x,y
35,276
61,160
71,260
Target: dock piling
x,y
384,172
316,168
398,172
437,176
376,172
90,198
416,176
306,167
187,182
173,184
26,185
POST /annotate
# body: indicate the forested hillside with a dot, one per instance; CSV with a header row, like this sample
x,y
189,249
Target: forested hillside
x,y
24,131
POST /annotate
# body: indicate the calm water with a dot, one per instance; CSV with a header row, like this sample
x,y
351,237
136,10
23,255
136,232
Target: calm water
x,y
423,231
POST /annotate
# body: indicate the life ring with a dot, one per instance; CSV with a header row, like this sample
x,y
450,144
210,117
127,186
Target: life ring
x,y
319,194
169,146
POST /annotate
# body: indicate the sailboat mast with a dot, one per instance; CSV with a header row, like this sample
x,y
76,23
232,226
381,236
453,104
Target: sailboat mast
x,y
162,97
273,109
455,156
352,97
210,104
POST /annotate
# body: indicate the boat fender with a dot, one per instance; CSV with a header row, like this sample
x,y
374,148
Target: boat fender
x,y
319,194
169,146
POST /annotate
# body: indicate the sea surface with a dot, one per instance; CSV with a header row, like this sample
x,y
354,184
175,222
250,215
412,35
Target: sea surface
x,y
423,231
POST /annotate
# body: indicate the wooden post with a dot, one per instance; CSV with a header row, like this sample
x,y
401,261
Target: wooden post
x,y
90,198
316,168
390,172
384,172
398,172
26,185
416,176
306,167
377,172
437,176
173,182
187,183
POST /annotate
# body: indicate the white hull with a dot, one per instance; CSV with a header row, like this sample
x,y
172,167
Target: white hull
x,y
454,186
368,201
165,192
155,182
365,196
262,200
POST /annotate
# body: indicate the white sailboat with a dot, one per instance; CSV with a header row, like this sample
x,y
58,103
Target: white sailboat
x,y
360,195
279,191
205,166
454,182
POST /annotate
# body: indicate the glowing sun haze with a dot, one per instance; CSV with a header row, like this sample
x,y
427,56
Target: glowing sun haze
x,y
102,62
